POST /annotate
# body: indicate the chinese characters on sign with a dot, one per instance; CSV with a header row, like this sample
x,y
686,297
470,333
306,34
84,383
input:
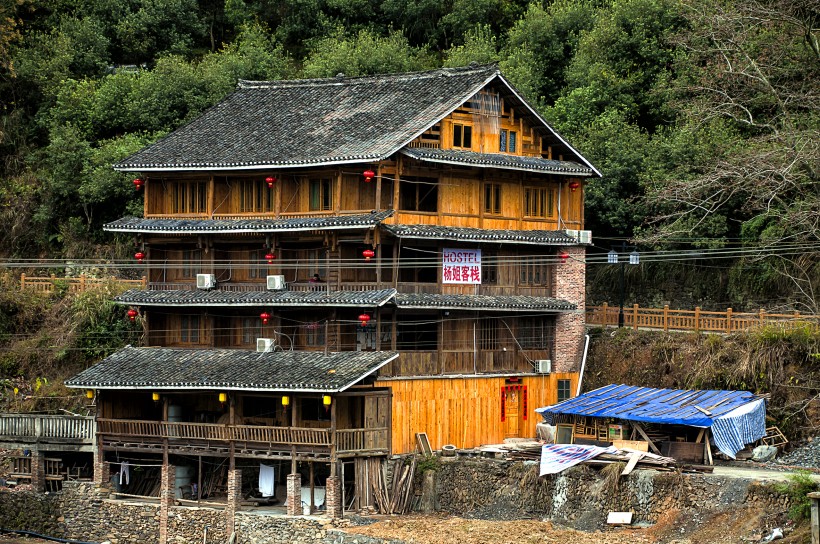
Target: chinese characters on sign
x,y
461,266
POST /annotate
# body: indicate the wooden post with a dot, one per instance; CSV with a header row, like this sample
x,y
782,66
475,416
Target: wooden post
x,y
762,316
728,320
82,282
145,282
815,517
312,488
604,310
666,318
697,318
635,317
22,282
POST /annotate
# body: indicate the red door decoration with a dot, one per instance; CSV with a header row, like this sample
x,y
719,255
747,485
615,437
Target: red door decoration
x,y
509,388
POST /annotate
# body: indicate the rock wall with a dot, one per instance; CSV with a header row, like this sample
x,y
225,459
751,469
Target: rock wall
x,y
582,496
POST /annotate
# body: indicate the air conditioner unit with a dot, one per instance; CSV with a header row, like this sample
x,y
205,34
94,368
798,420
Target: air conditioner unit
x,y
264,345
205,281
543,366
276,283
585,236
572,233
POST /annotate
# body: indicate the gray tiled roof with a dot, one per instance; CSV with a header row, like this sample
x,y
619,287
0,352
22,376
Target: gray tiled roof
x,y
481,302
469,234
313,122
217,297
299,123
226,369
217,226
497,160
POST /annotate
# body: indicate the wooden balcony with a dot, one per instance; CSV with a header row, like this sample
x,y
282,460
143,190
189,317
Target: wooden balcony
x,y
255,440
48,432
48,284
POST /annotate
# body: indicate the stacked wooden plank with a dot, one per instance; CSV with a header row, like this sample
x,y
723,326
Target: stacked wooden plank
x,y
398,497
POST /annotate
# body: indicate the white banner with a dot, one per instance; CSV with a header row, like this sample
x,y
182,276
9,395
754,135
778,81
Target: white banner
x,y
461,266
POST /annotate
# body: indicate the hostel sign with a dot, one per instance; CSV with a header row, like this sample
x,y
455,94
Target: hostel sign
x,y
461,266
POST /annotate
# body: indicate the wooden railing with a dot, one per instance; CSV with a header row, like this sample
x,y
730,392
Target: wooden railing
x,y
349,439
73,285
27,427
696,320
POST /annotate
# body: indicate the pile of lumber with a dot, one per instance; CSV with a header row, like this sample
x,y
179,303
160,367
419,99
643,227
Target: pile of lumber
x,y
398,497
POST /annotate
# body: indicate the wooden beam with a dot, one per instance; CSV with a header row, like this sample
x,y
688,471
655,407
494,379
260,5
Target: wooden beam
x,y
641,432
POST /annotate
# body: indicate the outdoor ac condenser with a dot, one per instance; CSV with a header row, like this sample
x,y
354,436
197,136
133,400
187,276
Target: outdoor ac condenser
x,y
205,281
543,366
264,345
276,283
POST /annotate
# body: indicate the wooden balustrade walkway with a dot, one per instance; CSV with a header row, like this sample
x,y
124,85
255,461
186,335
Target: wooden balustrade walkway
x,y
696,320
47,284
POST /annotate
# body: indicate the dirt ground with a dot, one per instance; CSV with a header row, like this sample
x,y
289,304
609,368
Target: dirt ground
x,y
731,527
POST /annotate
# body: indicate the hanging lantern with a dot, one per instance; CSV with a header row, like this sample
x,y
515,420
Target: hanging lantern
x,y
270,257
364,318
368,175
368,254
285,401
132,314
573,185
139,256
326,400
265,317
155,396
89,394
223,397
270,180
138,183
563,257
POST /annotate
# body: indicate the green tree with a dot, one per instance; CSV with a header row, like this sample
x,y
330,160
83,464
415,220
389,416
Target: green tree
x,y
157,27
479,46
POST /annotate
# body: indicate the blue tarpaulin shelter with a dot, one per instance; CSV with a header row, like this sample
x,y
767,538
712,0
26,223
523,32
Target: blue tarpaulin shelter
x,y
736,418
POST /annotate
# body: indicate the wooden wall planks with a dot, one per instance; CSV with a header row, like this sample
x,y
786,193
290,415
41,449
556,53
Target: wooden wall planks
x,y
464,411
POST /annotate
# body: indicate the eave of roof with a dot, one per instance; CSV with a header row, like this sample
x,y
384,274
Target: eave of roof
x,y
231,370
469,234
503,161
514,303
220,298
238,226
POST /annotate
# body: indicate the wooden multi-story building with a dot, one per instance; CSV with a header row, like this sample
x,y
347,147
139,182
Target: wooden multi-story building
x,y
335,265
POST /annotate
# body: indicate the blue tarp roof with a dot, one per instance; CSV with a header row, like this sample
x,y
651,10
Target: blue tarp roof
x,y
647,404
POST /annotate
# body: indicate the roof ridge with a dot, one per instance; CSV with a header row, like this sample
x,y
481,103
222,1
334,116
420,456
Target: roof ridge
x,y
245,84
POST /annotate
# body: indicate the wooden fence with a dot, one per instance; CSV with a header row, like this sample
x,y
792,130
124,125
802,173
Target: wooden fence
x,y
43,428
696,320
47,284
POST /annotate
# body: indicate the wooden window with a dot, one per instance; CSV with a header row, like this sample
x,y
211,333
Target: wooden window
x,y
189,197
314,334
563,390
492,198
191,264
488,334
190,329
535,333
251,330
418,194
538,202
321,194
254,196
533,271
420,334
462,136
489,267
507,141
257,265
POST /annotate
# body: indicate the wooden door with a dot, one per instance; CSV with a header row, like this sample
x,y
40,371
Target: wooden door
x,y
512,409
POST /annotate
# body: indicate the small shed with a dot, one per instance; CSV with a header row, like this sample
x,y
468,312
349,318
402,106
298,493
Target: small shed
x,y
678,420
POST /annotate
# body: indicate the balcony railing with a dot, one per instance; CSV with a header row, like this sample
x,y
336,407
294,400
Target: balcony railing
x,y
48,284
25,428
349,440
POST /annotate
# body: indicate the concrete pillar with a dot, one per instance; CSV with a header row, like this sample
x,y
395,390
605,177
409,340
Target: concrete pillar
x,y
234,499
294,494
166,498
38,476
333,497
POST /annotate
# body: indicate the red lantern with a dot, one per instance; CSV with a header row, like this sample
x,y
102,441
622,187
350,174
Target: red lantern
x,y
269,257
364,318
563,257
265,317
138,183
368,254
270,180
132,314
139,256
368,175
573,185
